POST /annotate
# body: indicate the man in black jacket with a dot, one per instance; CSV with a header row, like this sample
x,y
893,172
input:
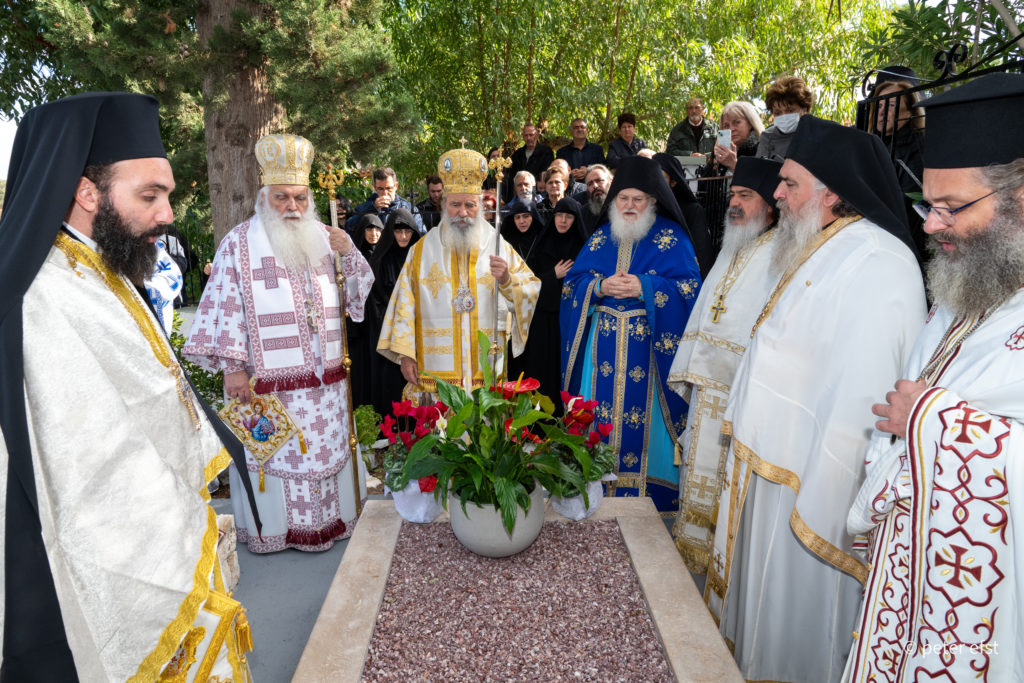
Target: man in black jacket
x,y
533,156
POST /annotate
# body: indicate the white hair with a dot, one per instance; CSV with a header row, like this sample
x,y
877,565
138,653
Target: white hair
x,y
462,233
626,230
295,242
796,230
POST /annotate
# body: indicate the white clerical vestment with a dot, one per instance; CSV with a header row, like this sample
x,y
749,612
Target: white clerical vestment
x,y
830,341
944,598
284,328
709,352
122,455
422,321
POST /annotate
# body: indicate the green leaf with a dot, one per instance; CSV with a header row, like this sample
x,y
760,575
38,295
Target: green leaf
x,y
452,396
484,345
457,423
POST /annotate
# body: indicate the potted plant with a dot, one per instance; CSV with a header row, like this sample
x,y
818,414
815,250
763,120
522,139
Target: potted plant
x,y
586,453
414,498
367,428
486,454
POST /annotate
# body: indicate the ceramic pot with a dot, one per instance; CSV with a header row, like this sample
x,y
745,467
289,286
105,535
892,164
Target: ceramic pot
x,y
573,508
416,506
480,530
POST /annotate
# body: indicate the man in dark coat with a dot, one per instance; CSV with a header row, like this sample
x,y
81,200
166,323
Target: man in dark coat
x,y
533,156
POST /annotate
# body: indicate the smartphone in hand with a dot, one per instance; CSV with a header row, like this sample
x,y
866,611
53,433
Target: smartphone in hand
x,y
725,138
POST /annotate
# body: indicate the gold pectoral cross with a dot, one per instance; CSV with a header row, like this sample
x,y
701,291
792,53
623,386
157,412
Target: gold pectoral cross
x,y
311,315
718,309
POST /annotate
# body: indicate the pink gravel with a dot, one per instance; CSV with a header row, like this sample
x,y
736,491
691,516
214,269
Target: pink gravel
x,y
568,608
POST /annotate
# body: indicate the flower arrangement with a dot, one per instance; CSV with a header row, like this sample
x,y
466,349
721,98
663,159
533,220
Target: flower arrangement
x,y
485,447
414,422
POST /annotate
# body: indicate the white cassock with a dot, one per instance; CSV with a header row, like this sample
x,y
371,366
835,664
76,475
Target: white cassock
x,y
832,338
717,334
422,321
283,327
122,455
944,598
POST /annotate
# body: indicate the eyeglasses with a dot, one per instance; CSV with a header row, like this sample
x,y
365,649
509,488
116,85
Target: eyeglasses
x,y
946,216
626,200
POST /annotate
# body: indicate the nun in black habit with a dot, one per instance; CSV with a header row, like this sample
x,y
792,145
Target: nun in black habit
x,y
362,343
388,258
696,222
522,227
550,260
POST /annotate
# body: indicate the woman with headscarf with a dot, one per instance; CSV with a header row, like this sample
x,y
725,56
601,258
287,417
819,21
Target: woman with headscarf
x,y
360,345
522,227
399,236
696,222
550,260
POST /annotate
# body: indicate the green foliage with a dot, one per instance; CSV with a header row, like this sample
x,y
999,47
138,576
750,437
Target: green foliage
x,y
918,31
209,385
367,420
483,67
325,63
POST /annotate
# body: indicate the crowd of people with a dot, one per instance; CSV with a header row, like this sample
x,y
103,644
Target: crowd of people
x,y
837,459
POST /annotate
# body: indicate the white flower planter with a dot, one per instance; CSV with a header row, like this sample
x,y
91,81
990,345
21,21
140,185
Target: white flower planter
x,y
573,508
416,506
480,529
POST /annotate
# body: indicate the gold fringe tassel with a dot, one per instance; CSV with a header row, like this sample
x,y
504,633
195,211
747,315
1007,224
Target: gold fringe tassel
x,y
261,481
302,442
243,634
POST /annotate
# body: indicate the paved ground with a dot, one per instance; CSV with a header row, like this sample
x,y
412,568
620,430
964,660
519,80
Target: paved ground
x,y
282,594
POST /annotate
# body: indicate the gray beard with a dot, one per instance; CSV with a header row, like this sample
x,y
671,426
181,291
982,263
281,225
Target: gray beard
x,y
462,234
596,202
740,233
986,269
630,231
295,243
795,232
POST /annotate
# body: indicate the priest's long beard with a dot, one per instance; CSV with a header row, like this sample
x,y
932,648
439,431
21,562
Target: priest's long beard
x,y
627,230
295,242
985,269
596,201
741,230
126,253
462,232
796,231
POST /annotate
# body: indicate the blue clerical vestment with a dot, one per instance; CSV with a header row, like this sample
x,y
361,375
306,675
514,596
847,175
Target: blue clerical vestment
x,y
619,351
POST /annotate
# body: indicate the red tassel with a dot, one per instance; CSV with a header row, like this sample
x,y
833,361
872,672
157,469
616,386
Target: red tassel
x,y
333,375
328,533
267,386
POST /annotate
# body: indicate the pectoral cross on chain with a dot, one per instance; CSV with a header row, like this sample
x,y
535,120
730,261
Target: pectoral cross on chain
x,y
311,315
718,309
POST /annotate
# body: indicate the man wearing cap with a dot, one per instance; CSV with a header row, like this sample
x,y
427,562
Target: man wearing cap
x,y
832,334
445,293
269,319
716,336
110,565
942,492
624,307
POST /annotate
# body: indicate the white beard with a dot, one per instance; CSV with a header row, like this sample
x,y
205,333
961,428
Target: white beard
x,y
739,234
796,231
624,230
297,243
985,270
463,237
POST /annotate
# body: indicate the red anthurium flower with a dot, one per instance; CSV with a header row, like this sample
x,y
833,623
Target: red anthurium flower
x,y
520,386
427,484
566,396
508,424
605,428
574,428
593,439
588,406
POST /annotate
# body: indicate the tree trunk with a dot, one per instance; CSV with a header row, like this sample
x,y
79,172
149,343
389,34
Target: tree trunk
x,y
232,129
